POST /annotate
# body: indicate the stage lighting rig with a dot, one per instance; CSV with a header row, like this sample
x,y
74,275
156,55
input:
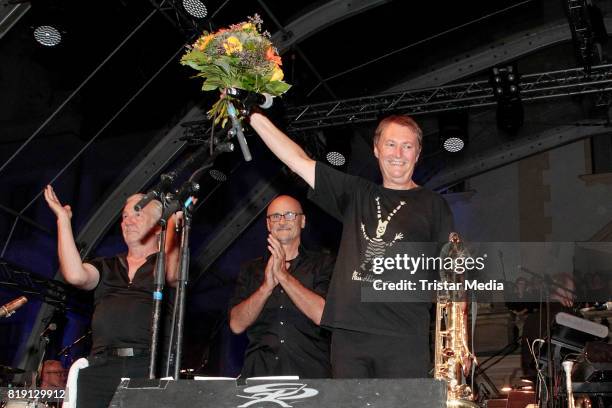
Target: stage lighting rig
x,y
507,93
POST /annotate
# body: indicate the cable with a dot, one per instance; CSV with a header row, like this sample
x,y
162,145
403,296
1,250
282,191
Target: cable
x,y
540,375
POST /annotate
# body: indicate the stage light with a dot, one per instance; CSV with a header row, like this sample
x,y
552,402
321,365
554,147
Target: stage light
x,y
336,144
506,91
195,8
453,131
217,175
47,35
453,144
335,158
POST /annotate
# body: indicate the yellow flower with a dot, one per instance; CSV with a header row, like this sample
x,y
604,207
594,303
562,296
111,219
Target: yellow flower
x,y
232,45
277,74
248,26
202,42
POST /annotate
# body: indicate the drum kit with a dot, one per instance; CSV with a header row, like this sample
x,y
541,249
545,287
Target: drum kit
x,y
18,395
6,400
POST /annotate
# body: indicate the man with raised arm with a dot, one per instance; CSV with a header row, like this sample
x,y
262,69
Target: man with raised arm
x,y
377,339
279,301
123,287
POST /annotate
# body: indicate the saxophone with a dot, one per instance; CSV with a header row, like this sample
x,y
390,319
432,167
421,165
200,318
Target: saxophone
x,y
451,349
582,401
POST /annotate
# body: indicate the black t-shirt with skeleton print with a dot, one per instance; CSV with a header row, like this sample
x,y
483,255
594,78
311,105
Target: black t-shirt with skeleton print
x,y
377,222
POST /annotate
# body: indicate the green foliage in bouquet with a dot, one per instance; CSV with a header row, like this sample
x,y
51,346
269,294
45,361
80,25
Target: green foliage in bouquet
x,y
240,56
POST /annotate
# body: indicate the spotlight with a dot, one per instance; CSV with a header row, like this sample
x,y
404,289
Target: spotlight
x,y
453,131
195,8
218,175
221,169
48,36
336,159
453,144
337,145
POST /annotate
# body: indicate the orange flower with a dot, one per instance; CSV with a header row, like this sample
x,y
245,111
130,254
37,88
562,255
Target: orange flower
x,y
202,42
272,56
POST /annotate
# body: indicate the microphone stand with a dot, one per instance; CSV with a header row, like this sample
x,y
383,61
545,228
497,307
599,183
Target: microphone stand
x,y
183,200
42,344
159,280
181,287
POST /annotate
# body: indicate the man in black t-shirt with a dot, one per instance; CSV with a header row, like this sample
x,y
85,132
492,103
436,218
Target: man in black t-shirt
x,y
123,287
375,339
279,301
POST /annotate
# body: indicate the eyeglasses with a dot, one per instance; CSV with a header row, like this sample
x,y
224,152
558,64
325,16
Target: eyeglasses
x,y
288,216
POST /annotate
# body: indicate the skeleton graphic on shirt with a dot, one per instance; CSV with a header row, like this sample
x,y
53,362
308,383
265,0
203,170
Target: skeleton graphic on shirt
x,y
377,246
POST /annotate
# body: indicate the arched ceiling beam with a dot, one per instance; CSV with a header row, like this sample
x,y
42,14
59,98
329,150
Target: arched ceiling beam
x,y
508,153
318,19
503,51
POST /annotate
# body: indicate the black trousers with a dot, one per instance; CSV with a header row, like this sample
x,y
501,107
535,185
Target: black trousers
x,y
97,383
365,355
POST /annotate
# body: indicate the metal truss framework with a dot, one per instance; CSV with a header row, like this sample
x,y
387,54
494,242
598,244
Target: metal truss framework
x,y
475,94
582,34
178,17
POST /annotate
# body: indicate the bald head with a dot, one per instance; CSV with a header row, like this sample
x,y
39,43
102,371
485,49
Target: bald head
x,y
286,231
285,202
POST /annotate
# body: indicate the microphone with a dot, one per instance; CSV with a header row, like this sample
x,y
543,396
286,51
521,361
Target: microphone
x,y
10,307
237,131
187,189
263,100
50,328
158,191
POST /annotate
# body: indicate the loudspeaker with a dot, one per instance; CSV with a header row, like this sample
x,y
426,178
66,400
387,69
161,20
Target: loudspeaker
x,y
261,393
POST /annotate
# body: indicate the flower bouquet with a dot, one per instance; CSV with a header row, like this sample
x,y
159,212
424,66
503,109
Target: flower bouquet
x,y
241,57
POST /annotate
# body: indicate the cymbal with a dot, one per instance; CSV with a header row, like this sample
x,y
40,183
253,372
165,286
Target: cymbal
x,y
6,370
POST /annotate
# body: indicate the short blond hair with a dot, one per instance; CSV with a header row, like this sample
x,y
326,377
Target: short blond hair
x,y
402,120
